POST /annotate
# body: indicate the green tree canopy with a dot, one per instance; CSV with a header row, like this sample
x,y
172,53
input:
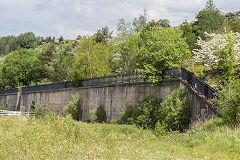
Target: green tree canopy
x,y
103,35
20,68
190,33
234,21
45,57
27,40
139,23
165,23
125,50
161,49
209,19
61,64
92,60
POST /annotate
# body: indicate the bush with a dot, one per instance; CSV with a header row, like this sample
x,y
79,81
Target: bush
x,y
3,108
160,129
74,107
129,115
175,110
172,115
101,115
228,102
41,111
114,121
93,115
38,110
22,110
147,112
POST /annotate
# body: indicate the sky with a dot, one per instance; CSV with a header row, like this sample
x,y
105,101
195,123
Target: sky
x,y
70,18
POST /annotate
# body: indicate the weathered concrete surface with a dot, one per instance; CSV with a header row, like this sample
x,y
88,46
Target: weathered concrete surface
x,y
9,101
114,98
201,108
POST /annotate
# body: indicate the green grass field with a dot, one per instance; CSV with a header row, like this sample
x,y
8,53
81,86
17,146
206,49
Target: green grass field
x,y
64,138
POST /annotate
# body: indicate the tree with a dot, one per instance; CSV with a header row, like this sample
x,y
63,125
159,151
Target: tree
x,y
209,19
8,44
228,102
61,63
234,21
20,68
161,49
45,58
139,23
124,28
125,46
103,35
125,50
2,84
26,40
190,33
92,60
60,39
164,23
220,52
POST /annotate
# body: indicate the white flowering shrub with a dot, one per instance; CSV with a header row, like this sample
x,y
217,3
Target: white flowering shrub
x,y
211,50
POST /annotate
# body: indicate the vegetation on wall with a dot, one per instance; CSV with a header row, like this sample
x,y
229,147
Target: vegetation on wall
x,y
173,113
74,108
99,114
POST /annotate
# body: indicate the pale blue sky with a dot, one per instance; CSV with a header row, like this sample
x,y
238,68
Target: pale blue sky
x,y
70,18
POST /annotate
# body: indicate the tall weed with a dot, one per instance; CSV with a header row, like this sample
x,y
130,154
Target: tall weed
x,y
74,107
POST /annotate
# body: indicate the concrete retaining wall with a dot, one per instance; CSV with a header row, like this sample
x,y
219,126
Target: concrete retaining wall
x,y
9,100
114,98
201,107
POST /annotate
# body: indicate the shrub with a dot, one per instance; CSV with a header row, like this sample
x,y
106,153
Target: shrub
x,y
147,112
114,121
22,110
3,108
38,110
129,114
41,111
175,110
172,115
160,129
74,107
228,102
101,115
93,115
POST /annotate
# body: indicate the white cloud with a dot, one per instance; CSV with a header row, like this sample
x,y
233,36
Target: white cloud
x,y
73,17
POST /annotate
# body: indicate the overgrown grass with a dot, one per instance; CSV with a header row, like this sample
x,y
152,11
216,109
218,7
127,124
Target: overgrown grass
x,y
64,138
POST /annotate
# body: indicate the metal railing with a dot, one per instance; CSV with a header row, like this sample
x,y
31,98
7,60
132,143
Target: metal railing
x,y
107,80
198,84
172,73
51,86
9,91
186,75
110,80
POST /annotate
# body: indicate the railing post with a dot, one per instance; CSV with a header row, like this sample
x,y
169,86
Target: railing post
x,y
206,91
